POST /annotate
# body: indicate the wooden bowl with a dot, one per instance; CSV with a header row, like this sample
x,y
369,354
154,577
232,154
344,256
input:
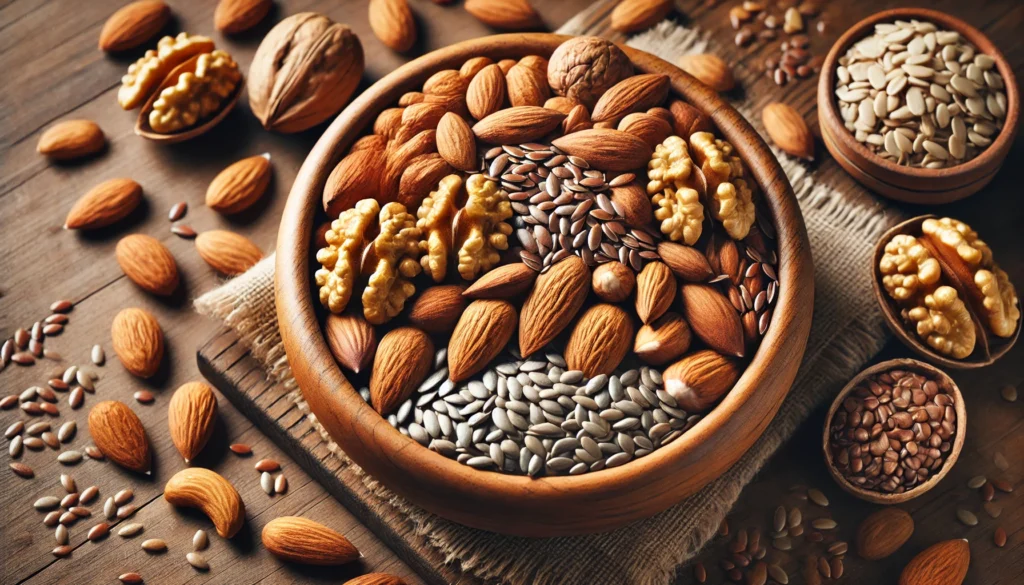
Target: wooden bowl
x,y
514,504
984,354
912,184
944,382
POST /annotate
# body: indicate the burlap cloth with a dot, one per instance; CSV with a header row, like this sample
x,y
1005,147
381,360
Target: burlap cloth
x,y
846,332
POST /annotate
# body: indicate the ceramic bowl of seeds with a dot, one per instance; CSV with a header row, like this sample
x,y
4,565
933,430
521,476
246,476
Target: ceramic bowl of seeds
x,y
543,285
894,431
918,105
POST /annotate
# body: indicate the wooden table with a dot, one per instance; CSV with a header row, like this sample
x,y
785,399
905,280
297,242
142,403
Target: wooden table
x,y
53,71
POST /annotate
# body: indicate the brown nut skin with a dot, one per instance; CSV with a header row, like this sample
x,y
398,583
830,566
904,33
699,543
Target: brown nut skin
x,y
583,68
613,282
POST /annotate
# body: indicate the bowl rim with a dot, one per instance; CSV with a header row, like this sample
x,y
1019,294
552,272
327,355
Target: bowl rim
x,y
947,465
377,447
990,158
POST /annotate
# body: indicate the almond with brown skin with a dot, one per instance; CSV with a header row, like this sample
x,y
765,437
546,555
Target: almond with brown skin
x,y
514,15
304,541
456,143
651,129
133,24
517,125
147,263
561,104
356,177
665,339
352,340
446,82
392,23
883,532
635,204
555,299
71,139
486,92
688,119
632,16
686,262
504,282
633,94
235,16
482,332
376,579
421,177
398,157
118,433
655,290
227,252
526,86
104,204
711,70
438,309
944,563
698,380
788,130
138,341
417,118
191,416
611,150
613,282
474,65
403,360
713,319
577,119
239,186
387,123
197,487
599,340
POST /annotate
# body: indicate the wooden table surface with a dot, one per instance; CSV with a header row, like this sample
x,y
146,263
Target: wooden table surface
x,y
53,71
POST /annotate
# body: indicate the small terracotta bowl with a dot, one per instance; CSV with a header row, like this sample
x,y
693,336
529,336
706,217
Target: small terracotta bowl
x,y
945,383
985,353
912,184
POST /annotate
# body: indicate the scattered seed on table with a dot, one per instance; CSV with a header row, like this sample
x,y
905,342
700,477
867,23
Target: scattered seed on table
x,y
76,398
144,396
67,431
50,440
9,401
23,358
817,497
123,496
36,429
976,482
61,534
1000,461
15,448
68,377
88,494
129,530
69,457
200,540
1002,485
46,503
126,511
22,470
85,381
69,500
967,517
280,484
52,329
177,211
241,449
700,573
34,443
52,518
57,384
32,408
183,231
68,483
110,508
97,355
97,532
198,561
62,551
988,491
130,578
15,429
267,482
154,545
999,537
68,518
29,394
48,408
267,465
94,453
80,511
61,306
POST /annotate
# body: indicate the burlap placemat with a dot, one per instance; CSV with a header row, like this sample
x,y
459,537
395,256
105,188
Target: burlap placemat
x,y
846,332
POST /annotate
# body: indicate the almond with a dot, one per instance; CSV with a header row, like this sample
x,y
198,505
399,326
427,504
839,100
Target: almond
x,y
632,16
562,104
613,282
235,16
147,263
788,130
300,540
663,340
376,579
118,433
504,282
599,340
632,94
104,204
577,119
944,563
446,82
387,123
607,149
526,86
356,177
883,532
655,290
240,185
438,309
486,92
197,487
418,117
685,262
688,119
651,129
191,415
517,125
481,333
403,360
421,177
555,299
71,139
352,340
392,23
133,24
711,70
138,341
698,380
398,156
473,66
713,319
505,14
635,204
456,143
227,252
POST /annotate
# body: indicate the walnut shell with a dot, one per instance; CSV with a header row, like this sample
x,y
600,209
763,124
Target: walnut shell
x,y
583,68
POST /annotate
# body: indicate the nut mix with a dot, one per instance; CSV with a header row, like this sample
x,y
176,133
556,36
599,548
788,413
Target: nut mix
x,y
517,190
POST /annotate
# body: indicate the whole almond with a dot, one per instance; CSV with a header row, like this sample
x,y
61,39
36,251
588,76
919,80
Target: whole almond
x,y
635,204
688,119
613,282
118,433
227,252
700,379
944,563
577,119
632,16
456,143
665,339
300,540
482,332
473,66
505,14
526,86
398,158
438,308
239,186
147,263
71,139
883,532
392,23
633,94
235,16
561,104
486,92
138,341
606,149
599,340
104,204
134,24
788,130
421,177
655,291
651,129
403,360
355,177
713,319
352,340
517,125
686,262
376,579
198,487
504,282
419,117
550,307
387,123
191,415
446,82
709,69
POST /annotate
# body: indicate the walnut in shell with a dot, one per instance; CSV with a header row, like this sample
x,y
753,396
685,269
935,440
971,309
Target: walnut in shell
x,y
583,68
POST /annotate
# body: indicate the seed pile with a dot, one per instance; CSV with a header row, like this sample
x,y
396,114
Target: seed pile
x,y
920,96
758,21
28,345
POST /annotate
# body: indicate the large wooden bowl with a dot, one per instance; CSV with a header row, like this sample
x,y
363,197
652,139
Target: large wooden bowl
x,y
550,505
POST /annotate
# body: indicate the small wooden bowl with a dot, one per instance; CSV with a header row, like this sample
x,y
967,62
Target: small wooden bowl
x,y
912,184
983,355
557,505
946,383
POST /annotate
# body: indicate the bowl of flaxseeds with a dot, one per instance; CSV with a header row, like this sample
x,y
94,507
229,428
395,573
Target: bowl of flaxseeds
x,y
917,105
894,431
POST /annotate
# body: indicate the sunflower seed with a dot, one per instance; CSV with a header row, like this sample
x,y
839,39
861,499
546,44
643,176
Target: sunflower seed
x,y
15,448
267,482
97,532
61,534
130,578
62,551
69,501
110,508
69,457
200,540
66,432
129,530
280,484
817,497
967,517
68,483
154,545
15,429
198,561
46,503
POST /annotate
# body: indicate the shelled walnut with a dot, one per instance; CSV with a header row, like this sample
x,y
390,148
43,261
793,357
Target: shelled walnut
x,y
395,253
729,195
673,189
340,259
481,228
196,94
